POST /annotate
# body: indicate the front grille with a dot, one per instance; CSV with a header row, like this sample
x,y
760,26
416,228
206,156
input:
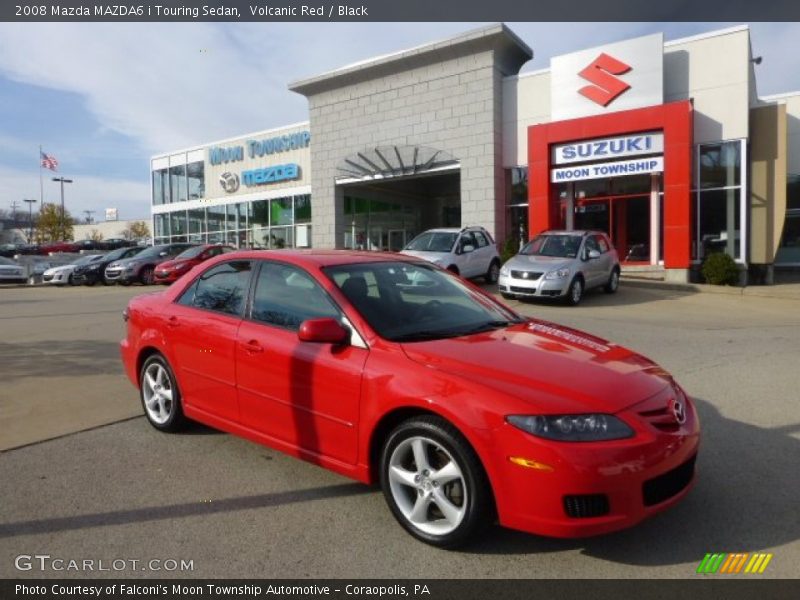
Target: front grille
x,y
664,487
586,506
662,417
521,290
47,277
527,275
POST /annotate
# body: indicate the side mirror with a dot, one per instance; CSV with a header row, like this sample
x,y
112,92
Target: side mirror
x,y
593,254
323,331
467,248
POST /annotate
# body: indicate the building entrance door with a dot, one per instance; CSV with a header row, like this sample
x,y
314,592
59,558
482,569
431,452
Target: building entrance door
x,y
626,220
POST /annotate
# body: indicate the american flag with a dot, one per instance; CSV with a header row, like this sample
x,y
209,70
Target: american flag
x,y
49,161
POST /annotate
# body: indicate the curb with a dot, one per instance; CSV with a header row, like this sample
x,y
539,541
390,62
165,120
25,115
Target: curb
x,y
767,291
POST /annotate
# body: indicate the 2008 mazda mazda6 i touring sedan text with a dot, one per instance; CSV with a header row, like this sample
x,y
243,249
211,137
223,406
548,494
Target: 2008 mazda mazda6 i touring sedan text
x,y
387,369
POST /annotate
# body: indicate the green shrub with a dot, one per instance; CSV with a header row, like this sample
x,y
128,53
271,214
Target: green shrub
x,y
510,248
720,269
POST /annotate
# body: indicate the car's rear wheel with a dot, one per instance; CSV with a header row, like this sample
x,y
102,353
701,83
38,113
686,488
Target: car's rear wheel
x,y
613,282
493,274
161,398
434,482
575,292
148,276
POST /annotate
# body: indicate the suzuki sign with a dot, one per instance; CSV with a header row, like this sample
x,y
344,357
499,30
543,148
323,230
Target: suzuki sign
x,y
610,78
605,148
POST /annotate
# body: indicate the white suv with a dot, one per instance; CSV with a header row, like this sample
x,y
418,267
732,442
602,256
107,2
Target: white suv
x,y
469,252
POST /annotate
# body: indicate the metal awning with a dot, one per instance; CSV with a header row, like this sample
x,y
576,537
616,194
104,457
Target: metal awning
x,y
383,162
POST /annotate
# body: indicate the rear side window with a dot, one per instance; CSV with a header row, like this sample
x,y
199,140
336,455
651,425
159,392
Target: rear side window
x,y
481,239
222,288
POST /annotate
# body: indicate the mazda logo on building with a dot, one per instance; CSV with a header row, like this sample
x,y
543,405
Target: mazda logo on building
x,y
229,182
601,73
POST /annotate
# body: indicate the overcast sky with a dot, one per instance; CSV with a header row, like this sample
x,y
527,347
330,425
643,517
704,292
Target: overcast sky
x,y
103,97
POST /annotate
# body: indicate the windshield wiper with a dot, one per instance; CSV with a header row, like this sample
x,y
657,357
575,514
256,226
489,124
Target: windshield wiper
x,y
419,336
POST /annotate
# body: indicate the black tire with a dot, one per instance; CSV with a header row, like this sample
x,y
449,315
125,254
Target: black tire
x,y
105,281
575,291
493,274
613,282
147,276
443,444
174,419
70,280
453,269
124,282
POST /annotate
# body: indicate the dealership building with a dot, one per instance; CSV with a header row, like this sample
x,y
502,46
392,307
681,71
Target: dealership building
x,y
664,145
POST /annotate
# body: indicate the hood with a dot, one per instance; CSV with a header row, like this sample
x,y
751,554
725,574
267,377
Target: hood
x,y
549,368
62,268
172,264
429,256
538,263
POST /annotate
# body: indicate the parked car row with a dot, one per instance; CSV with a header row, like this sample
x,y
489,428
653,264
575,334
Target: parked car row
x,y
554,264
10,250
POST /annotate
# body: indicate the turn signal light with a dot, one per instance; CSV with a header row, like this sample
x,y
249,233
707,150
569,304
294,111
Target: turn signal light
x,y
530,464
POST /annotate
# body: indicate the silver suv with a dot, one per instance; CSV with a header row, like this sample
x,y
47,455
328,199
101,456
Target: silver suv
x,y
469,252
561,264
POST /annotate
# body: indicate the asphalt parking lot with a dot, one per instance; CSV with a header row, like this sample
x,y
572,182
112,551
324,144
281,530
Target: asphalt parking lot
x,y
104,485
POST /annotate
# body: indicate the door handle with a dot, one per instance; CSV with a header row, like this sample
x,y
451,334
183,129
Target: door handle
x,y
173,321
253,347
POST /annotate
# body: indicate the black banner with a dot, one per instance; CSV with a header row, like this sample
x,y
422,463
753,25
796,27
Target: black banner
x,y
399,10
701,588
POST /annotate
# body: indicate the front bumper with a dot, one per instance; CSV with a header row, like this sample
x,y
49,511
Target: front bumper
x,y
86,278
122,275
59,278
593,487
540,287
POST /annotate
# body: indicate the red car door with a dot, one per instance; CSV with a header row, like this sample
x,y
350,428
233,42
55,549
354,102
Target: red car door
x,y
201,328
304,394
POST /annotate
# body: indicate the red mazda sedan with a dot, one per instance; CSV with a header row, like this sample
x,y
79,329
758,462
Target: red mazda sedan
x,y
387,369
169,271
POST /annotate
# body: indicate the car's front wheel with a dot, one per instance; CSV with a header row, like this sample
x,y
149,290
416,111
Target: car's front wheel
x,y
148,276
613,282
161,398
434,482
575,292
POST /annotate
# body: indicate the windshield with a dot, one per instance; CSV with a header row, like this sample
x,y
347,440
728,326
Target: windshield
x,y
433,241
406,302
192,252
6,261
561,246
120,252
85,260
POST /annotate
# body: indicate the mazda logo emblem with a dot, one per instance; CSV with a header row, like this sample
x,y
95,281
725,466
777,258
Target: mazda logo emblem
x,y
679,411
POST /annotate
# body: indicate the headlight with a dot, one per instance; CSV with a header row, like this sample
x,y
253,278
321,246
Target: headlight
x,y
180,266
504,270
560,274
573,428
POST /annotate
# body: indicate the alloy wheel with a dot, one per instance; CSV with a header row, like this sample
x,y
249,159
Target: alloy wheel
x,y
157,393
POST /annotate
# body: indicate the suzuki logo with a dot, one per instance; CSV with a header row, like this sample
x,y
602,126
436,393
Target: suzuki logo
x,y
601,73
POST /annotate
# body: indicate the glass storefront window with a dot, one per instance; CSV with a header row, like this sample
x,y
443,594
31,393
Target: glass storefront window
x,y
177,183
302,209
720,165
518,185
720,222
196,180
281,237
162,226
197,221
789,249
178,226
281,211
216,221
718,199
161,187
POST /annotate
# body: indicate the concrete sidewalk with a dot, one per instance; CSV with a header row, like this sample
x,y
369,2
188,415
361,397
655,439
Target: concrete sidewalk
x,y
785,291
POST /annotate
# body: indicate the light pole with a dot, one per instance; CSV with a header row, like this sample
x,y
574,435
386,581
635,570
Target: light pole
x,y
30,202
63,181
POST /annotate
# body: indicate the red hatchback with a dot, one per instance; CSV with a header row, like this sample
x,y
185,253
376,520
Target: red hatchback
x,y
388,369
169,271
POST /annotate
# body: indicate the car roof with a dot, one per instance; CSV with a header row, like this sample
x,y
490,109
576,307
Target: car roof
x,y
319,258
577,232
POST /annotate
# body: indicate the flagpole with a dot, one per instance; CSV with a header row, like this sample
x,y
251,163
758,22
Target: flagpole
x,y
41,181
